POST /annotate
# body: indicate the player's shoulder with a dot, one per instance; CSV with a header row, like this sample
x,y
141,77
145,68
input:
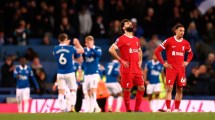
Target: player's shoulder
x,y
149,62
97,47
185,41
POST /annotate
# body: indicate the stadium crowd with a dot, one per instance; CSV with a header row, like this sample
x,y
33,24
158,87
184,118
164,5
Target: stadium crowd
x,y
153,21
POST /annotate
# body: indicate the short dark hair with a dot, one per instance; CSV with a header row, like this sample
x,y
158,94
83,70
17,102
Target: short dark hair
x,y
178,26
62,37
123,23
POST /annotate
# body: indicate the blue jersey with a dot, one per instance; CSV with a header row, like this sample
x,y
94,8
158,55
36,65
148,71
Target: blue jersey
x,y
23,75
63,55
75,66
154,70
91,60
112,71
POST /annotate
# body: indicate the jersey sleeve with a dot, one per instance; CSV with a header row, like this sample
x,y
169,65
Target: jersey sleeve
x,y
187,47
118,42
76,55
164,44
73,50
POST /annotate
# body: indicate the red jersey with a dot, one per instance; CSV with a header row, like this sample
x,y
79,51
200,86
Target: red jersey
x,y
175,51
129,49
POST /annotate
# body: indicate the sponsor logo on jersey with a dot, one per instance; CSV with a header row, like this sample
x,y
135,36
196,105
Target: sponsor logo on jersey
x,y
89,59
133,50
173,46
174,53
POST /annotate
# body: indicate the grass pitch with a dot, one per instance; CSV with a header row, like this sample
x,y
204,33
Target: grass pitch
x,y
109,116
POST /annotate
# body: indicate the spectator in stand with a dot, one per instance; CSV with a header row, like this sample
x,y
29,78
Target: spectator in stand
x,y
99,30
2,41
114,31
30,54
7,79
65,27
210,64
191,81
85,21
46,40
39,74
209,36
203,80
149,23
22,33
153,44
138,30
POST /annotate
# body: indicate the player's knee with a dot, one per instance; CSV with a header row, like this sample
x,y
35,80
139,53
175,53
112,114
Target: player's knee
x,y
169,89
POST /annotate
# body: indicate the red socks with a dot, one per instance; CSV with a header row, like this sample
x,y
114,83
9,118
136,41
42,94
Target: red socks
x,y
139,98
127,99
168,103
177,104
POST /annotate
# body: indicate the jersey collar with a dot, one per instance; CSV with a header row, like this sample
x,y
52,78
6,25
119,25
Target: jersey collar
x,y
178,40
155,63
88,49
128,36
62,44
25,68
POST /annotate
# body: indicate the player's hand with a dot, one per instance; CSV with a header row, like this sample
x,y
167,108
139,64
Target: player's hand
x,y
124,63
54,87
184,64
147,82
76,41
167,65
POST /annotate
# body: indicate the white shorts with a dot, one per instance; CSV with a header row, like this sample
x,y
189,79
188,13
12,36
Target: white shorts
x,y
151,88
67,80
90,81
114,88
22,94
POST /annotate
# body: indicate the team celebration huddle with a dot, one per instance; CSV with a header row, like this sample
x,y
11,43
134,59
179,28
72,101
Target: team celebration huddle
x,y
122,74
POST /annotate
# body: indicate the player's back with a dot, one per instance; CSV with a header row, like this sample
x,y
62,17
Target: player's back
x,y
22,76
112,71
154,70
63,55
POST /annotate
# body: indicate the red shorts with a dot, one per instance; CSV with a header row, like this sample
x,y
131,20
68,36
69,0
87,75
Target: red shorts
x,y
173,75
128,80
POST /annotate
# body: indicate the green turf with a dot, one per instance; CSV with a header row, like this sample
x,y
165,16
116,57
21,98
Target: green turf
x,y
109,116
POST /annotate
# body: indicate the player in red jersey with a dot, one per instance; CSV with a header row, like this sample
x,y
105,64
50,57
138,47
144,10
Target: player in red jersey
x,y
131,60
175,47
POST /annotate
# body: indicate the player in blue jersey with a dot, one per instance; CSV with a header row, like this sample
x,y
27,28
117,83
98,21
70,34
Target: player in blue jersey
x,y
91,58
23,74
114,88
67,100
64,54
152,71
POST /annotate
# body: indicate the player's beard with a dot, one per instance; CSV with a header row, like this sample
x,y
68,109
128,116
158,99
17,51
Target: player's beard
x,y
130,28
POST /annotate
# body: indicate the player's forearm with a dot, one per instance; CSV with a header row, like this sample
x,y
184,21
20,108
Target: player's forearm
x,y
113,52
157,52
79,48
97,52
140,53
190,56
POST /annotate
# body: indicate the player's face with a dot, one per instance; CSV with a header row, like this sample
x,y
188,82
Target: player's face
x,y
154,57
128,27
180,32
89,43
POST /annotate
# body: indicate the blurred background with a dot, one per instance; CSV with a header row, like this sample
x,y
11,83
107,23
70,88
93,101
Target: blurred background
x,y
31,27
